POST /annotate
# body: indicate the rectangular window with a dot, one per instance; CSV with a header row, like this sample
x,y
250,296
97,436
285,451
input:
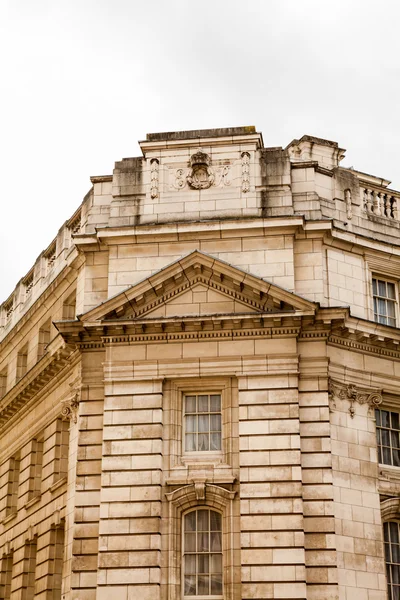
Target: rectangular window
x,y
44,338
392,558
388,437
384,293
3,382
22,362
6,576
12,485
202,422
69,307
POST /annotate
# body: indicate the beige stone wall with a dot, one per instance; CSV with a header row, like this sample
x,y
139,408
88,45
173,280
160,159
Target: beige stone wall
x,y
91,506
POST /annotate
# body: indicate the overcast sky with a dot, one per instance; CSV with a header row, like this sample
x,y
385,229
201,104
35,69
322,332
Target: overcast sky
x,y
83,80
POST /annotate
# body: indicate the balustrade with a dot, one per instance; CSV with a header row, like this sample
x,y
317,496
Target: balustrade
x,y
381,204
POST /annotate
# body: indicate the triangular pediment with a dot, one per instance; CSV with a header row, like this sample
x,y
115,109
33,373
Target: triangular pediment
x,y
197,285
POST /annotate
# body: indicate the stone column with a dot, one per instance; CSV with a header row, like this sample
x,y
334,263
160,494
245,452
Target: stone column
x,y
316,462
272,538
88,478
129,548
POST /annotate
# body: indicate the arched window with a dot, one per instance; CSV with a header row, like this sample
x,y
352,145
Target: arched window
x,y
392,557
202,554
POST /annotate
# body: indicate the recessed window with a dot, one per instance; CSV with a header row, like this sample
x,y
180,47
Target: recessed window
x,y
392,558
202,554
388,437
384,293
202,422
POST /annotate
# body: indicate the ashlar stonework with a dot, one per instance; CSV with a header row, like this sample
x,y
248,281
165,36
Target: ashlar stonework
x,y
199,382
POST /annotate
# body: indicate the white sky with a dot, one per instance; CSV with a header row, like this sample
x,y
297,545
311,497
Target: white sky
x,y
83,80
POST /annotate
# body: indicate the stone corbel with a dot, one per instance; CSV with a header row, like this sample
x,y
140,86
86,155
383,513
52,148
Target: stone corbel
x,y
354,394
390,509
69,407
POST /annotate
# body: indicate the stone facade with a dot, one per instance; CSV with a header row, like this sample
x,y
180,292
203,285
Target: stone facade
x,y
205,352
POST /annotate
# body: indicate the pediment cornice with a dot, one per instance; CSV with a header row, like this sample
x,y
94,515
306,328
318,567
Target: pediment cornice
x,y
197,268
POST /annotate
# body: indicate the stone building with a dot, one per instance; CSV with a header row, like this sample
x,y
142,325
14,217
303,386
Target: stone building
x,y
194,375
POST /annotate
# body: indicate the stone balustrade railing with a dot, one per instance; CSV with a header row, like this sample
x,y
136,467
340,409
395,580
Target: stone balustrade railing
x,y
381,203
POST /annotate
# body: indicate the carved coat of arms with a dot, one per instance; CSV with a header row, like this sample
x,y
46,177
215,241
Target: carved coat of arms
x,y
200,176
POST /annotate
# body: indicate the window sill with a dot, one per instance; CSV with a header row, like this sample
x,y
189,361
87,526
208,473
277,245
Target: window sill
x,y
59,483
388,472
32,501
9,518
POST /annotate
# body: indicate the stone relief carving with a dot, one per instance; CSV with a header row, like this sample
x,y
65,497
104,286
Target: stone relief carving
x,y
69,409
347,199
245,172
200,177
354,394
154,168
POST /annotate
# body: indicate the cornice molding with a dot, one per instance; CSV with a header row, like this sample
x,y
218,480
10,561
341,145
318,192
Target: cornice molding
x,y
358,346
34,381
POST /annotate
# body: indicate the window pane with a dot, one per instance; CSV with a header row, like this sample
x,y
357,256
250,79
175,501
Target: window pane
x,y
215,403
190,444
204,584
395,420
216,541
190,423
381,288
203,403
190,542
374,287
378,416
203,563
215,441
190,564
190,585
215,521
203,442
190,404
390,309
395,555
215,423
190,521
394,438
203,541
202,520
216,584
391,291
385,418
387,459
385,435
204,423
216,563
381,306
394,532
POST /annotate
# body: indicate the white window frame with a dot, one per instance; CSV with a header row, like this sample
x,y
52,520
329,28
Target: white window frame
x,y
196,453
390,429
200,596
379,277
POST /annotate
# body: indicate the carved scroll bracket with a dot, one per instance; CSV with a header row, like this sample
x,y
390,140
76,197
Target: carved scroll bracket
x,y
69,409
354,394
